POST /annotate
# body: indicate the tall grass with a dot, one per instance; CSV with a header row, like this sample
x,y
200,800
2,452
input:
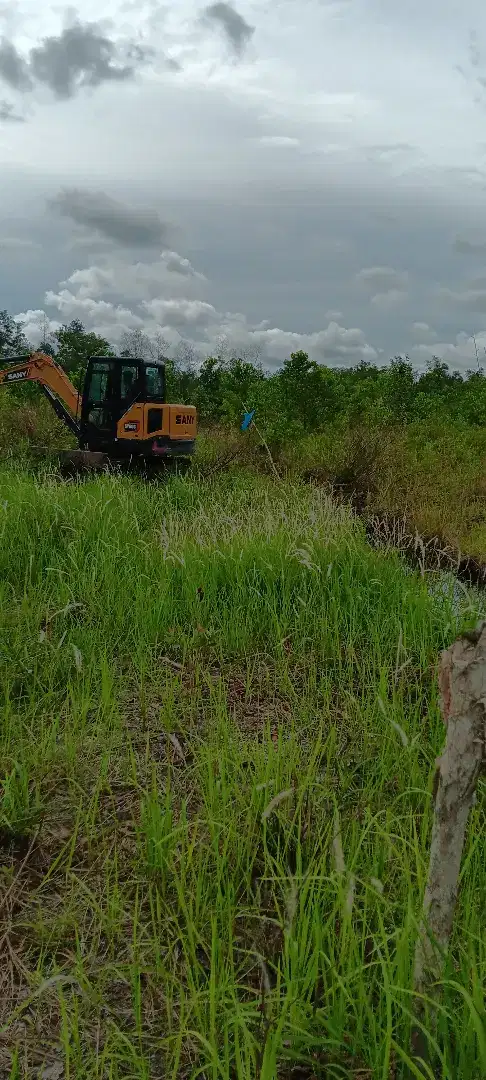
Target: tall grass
x,y
219,724
430,472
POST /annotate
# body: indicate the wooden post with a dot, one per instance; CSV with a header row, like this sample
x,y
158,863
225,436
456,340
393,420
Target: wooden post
x,y
462,685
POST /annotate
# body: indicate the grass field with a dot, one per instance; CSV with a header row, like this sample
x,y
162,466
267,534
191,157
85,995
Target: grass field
x,y
219,726
431,474
434,476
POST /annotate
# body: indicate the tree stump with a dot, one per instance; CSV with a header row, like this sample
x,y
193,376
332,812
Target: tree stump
x,y
462,685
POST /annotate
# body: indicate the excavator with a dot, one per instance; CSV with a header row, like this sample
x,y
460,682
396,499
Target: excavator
x,y
121,416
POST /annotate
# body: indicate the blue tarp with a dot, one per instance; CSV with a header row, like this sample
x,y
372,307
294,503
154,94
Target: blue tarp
x,y
247,419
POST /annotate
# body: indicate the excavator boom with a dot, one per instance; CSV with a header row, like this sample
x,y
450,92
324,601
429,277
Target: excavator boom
x,y
53,381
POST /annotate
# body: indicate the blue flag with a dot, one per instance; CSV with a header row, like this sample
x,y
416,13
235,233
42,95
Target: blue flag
x,y
247,419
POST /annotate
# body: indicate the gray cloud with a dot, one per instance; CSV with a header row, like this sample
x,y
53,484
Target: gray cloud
x,y
473,72
128,226
8,113
474,51
423,333
278,140
18,244
81,56
478,282
286,187
247,273
392,153
384,285
389,299
381,278
470,299
392,148
236,29
462,246
14,70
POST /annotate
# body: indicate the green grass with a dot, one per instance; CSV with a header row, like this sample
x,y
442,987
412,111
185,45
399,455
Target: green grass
x,y
219,725
429,473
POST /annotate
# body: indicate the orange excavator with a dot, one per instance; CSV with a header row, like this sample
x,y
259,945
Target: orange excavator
x,y
121,415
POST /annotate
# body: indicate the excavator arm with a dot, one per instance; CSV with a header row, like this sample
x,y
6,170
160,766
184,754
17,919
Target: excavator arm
x,y
53,381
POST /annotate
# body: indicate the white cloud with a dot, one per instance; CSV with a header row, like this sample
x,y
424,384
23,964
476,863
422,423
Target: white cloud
x,y
278,140
384,286
89,294
94,312
181,313
470,299
460,355
336,344
389,300
176,264
423,333
116,277
381,279
37,325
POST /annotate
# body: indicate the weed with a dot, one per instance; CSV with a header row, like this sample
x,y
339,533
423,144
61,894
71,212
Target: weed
x,y
219,724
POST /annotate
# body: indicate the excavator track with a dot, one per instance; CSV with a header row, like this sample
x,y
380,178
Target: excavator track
x,y
74,463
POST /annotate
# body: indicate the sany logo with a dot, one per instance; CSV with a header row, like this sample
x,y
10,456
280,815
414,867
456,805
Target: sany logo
x,y
16,376
132,425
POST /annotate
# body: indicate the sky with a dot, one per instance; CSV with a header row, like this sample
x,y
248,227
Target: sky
x,y
263,176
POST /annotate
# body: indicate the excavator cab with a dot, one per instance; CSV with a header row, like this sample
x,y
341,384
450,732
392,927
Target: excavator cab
x,y
111,386
122,412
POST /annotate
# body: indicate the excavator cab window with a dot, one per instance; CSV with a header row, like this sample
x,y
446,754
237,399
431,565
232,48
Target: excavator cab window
x,y
129,383
101,397
99,389
155,382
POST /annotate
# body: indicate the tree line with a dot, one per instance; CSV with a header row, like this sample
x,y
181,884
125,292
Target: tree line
x,y
300,398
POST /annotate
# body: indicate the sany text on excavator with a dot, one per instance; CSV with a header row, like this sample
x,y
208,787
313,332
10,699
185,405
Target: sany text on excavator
x,y
121,414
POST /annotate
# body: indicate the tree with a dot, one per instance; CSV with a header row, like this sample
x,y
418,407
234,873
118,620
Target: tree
x,y
182,373
74,347
306,391
137,345
399,388
12,338
209,388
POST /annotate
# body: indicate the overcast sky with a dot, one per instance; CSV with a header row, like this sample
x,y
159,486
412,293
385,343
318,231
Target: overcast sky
x,y
279,174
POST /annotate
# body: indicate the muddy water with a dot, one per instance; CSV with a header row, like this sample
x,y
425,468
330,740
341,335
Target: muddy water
x,y
464,600
459,581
